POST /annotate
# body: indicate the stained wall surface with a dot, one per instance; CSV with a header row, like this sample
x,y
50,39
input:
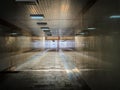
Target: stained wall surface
x,y
15,46
101,44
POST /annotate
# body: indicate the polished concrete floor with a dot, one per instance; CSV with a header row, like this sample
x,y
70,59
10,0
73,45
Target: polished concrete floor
x,y
61,70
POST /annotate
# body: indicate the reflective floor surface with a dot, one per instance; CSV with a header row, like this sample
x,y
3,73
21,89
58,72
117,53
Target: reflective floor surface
x,y
60,70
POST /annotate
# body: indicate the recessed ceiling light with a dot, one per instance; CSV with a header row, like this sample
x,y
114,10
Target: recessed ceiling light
x,y
37,16
42,23
45,28
26,0
91,28
115,16
13,33
82,33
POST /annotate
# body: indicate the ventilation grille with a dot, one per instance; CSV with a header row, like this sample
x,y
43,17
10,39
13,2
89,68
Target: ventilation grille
x,y
46,30
42,23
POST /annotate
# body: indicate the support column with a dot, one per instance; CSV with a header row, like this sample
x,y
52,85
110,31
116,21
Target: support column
x,y
58,46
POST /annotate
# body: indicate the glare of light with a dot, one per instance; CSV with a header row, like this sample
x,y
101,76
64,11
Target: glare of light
x,y
82,33
68,71
75,70
64,8
91,28
115,16
13,33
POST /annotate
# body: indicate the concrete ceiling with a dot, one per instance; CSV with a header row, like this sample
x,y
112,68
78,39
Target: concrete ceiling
x,y
62,16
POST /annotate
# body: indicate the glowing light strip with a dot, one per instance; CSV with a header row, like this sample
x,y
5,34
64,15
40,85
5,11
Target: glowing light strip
x,y
115,16
37,17
91,28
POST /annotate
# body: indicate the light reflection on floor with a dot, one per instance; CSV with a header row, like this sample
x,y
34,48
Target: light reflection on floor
x,y
52,70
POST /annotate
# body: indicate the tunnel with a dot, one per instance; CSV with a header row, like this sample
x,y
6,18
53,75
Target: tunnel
x,y
59,44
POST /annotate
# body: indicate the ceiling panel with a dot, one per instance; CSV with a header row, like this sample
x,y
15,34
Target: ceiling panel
x,y
61,15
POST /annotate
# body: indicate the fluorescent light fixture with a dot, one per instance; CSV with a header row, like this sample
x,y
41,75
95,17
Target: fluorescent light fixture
x,y
14,33
115,16
91,28
46,31
42,23
26,0
45,28
37,16
82,33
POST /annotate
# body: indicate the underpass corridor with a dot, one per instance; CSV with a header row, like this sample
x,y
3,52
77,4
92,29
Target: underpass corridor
x,y
59,44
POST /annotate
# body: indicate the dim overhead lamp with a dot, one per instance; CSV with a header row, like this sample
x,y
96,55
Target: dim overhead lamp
x,y
115,17
37,16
